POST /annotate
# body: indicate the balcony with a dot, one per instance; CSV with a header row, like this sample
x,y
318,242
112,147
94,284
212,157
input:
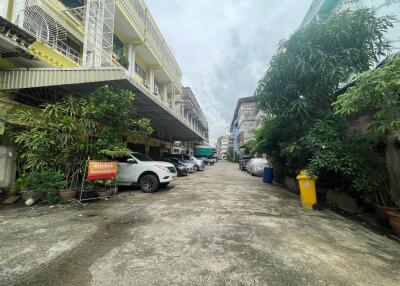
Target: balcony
x,y
149,32
345,5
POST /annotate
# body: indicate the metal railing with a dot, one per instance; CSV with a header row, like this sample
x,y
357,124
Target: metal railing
x,y
346,5
68,52
148,29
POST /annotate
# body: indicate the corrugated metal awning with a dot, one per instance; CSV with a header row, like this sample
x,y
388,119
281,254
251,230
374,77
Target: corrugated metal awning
x,y
166,123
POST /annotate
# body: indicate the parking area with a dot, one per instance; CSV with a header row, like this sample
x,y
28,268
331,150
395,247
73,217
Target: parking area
x,y
216,227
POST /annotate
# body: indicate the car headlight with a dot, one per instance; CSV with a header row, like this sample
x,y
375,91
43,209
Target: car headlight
x,y
162,168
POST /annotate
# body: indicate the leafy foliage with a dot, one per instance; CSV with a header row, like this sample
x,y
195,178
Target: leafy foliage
x,y
378,92
48,182
303,76
229,154
298,91
250,147
65,134
348,161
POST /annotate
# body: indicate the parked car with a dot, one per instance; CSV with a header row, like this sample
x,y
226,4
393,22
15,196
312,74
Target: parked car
x,y
181,169
190,166
207,161
198,162
199,165
137,168
243,161
255,166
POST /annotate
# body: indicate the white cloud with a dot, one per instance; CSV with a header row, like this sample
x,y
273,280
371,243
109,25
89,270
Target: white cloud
x,y
224,46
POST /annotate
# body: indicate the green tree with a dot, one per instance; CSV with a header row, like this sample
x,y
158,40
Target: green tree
x,y
305,73
301,81
65,134
229,154
377,93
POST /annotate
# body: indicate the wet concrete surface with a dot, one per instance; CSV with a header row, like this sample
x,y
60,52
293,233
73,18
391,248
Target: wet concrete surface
x,y
217,227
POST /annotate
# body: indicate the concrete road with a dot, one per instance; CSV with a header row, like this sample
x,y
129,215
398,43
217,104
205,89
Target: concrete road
x,y
217,227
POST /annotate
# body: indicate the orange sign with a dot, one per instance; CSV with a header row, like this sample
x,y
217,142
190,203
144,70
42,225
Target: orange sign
x,y
98,170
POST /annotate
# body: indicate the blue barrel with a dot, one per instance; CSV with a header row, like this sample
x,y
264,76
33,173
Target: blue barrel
x,y
268,176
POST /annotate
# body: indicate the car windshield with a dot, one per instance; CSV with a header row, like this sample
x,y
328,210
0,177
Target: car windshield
x,y
142,157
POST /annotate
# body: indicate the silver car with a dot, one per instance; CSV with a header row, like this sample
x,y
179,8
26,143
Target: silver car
x,y
255,166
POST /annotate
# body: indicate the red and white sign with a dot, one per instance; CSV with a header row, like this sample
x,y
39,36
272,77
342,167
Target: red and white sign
x,y
99,170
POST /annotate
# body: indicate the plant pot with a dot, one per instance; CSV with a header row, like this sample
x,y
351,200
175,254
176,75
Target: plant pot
x,y
67,195
87,195
394,220
382,213
26,195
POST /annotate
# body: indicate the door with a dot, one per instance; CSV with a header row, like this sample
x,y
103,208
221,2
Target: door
x,y
126,170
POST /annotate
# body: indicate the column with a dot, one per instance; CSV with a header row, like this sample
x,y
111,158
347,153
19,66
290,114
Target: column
x,y
18,16
151,80
131,59
164,93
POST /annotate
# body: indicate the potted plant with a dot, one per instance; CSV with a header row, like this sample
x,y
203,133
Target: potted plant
x,y
383,205
394,220
89,191
71,191
104,188
26,184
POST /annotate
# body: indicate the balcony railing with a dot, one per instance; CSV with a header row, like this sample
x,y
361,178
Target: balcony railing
x,y
345,5
42,22
312,12
148,29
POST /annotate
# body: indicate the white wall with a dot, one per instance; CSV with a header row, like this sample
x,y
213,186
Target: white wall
x,y
7,166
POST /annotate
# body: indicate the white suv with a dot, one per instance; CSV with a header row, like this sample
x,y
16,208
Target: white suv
x,y
140,169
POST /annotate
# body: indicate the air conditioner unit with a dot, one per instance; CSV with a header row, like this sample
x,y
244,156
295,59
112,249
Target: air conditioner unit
x,y
146,83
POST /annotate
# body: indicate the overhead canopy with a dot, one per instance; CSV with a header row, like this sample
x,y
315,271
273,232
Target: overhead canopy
x,y
31,82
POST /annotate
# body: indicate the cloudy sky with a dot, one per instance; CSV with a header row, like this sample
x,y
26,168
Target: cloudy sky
x,y
224,46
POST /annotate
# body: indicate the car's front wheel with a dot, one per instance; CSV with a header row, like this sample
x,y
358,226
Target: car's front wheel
x,y
149,183
196,168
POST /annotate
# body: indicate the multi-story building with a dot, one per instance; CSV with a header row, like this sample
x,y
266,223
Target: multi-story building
x,y
49,48
321,9
246,119
222,146
191,111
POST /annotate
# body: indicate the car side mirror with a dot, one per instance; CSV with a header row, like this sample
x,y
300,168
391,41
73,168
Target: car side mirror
x,y
131,161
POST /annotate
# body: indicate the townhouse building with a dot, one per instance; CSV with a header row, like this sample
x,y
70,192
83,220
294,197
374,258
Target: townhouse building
x,y
321,9
51,48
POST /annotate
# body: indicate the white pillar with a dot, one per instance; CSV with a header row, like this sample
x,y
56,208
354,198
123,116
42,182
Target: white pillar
x,y
164,93
151,80
18,16
132,59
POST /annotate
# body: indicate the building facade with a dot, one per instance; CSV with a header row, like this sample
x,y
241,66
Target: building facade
x,y
245,120
51,48
222,146
192,112
320,9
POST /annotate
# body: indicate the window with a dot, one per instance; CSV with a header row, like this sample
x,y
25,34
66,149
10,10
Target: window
x,y
142,157
124,159
118,46
140,71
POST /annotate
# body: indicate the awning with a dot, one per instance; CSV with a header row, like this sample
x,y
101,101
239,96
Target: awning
x,y
166,123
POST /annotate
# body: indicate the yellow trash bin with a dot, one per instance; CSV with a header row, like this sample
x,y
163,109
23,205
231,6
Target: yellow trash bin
x,y
308,191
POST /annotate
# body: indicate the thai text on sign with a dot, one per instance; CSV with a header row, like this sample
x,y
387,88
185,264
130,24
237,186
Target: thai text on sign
x,y
98,170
